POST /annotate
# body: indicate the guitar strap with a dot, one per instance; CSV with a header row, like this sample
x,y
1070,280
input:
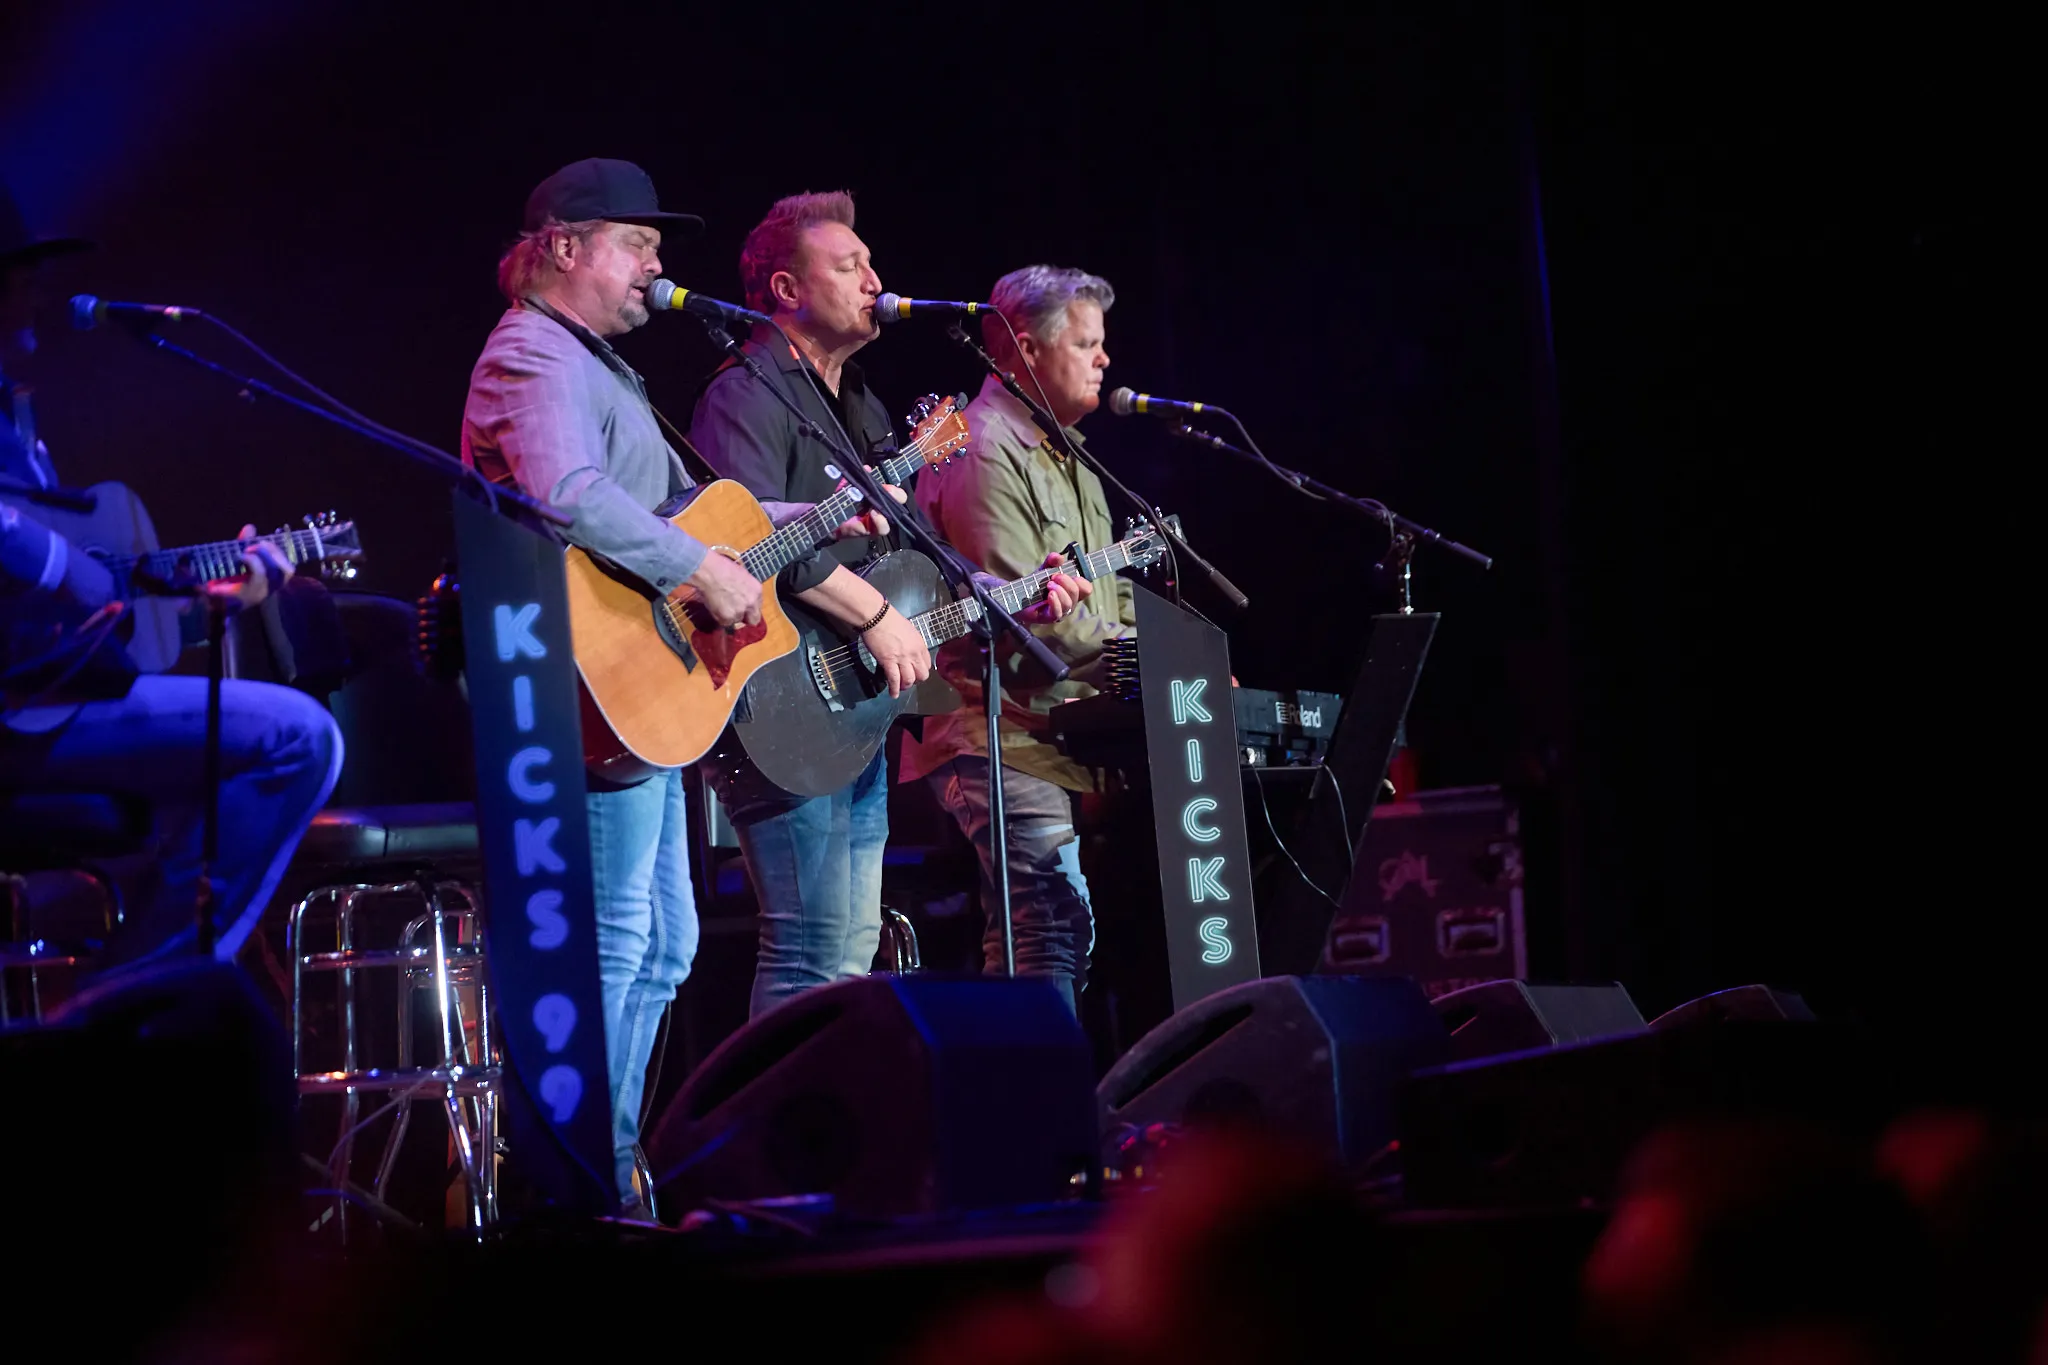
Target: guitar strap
x,y
694,464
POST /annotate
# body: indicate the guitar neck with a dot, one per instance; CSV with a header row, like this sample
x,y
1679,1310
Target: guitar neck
x,y
815,529
955,619
218,558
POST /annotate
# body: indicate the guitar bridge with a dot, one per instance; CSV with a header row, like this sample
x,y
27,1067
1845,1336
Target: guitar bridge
x,y
821,678
671,632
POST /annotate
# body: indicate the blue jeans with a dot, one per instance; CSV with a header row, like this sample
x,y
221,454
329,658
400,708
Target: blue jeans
x,y
816,863
1052,926
280,756
646,934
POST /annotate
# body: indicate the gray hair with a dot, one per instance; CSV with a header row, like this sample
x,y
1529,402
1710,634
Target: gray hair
x,y
528,264
1035,300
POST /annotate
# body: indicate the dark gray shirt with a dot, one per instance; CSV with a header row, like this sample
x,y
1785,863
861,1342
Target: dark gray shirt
x,y
751,438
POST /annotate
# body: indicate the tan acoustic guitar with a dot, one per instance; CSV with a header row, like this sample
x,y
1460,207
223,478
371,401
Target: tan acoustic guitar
x,y
660,677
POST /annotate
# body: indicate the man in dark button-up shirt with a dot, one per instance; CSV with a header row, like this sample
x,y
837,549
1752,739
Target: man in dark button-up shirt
x,y
757,442
816,862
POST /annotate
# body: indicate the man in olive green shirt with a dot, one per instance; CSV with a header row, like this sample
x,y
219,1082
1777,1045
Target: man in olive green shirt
x,y
1010,500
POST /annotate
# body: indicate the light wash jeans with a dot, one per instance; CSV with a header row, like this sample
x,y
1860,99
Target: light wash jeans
x,y
280,756
646,935
816,864
1052,925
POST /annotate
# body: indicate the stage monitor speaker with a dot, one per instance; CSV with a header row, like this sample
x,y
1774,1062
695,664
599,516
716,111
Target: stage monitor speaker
x,y
1756,1003
1513,1016
896,1095
1553,1127
157,1102
1313,1056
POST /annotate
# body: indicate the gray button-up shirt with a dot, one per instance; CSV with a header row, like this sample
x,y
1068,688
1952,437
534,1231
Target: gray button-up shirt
x,y
546,413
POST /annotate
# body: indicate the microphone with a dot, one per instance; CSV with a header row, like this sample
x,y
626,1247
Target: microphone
x,y
88,312
666,296
1124,402
895,308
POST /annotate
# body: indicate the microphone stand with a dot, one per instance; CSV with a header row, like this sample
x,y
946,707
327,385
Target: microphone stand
x,y
960,575
446,466
1051,426
1406,532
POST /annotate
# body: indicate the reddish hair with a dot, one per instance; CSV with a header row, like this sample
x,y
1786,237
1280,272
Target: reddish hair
x,y
777,241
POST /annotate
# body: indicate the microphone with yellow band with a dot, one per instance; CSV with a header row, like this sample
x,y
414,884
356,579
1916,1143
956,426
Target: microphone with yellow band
x,y
666,296
1124,402
895,308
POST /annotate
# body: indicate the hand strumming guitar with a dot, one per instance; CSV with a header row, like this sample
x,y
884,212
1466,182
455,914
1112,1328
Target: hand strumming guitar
x,y
899,650
730,593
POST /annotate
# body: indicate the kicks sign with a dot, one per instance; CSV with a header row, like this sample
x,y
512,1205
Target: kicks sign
x,y
1197,802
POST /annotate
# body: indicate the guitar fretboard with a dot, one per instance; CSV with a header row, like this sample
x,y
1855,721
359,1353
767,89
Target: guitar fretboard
x,y
222,558
794,539
953,620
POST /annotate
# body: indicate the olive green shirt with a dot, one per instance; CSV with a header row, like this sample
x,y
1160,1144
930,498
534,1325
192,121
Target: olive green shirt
x,y
1007,502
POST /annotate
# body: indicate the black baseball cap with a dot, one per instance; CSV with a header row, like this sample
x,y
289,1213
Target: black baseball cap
x,y
20,247
601,187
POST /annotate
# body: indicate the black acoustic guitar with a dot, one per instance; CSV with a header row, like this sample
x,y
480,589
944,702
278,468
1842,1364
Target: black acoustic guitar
x,y
812,720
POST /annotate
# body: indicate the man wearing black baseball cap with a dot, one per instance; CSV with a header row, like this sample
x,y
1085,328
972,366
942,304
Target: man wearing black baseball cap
x,y
75,715
21,251
555,410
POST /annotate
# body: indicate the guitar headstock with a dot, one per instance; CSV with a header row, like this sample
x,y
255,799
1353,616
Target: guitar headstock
x,y
326,545
1143,545
1145,542
938,428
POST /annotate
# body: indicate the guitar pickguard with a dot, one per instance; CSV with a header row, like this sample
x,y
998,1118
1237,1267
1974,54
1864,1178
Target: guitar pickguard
x,y
718,647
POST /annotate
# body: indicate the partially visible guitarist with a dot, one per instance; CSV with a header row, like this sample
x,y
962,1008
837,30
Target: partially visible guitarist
x,y
553,408
76,717
816,862
1010,499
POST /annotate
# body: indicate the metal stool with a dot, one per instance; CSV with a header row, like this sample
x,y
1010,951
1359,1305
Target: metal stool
x,y
441,950
56,906
899,943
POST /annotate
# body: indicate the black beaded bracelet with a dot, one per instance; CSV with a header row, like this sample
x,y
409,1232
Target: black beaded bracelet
x,y
872,621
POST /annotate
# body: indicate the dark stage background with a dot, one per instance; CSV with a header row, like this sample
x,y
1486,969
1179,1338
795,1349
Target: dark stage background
x,y
1641,307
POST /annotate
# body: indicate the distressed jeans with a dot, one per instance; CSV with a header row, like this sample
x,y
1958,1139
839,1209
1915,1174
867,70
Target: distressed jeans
x,y
816,864
1052,926
280,756
646,935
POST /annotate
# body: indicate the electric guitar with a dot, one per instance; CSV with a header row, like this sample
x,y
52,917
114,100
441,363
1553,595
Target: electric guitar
x,y
812,720
660,676
120,536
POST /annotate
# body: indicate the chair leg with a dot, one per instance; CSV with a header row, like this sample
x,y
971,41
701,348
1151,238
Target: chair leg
x,y
469,1096
454,1056
394,1141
